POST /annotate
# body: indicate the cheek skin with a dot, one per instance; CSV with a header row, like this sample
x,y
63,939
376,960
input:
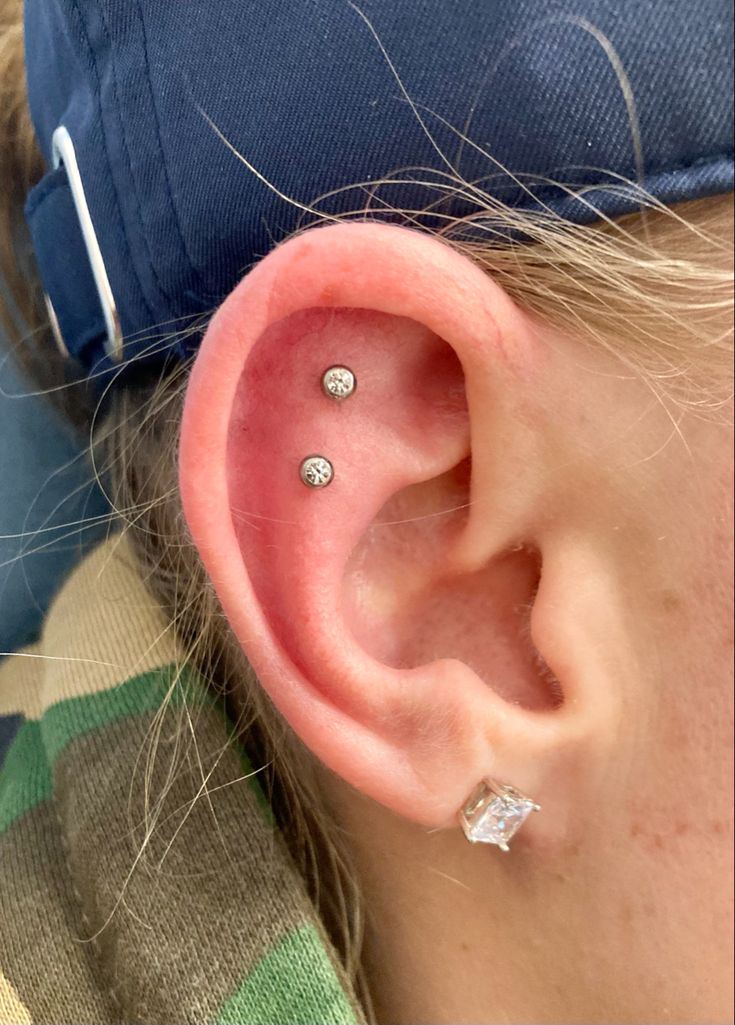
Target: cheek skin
x,y
679,830
655,854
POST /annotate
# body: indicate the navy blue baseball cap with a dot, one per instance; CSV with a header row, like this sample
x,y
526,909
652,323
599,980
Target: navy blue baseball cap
x,y
148,216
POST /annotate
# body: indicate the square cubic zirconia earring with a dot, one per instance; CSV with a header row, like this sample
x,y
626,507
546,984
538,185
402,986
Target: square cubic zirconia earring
x,y
494,812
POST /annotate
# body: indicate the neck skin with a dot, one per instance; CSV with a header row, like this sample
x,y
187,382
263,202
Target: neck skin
x,y
458,933
453,933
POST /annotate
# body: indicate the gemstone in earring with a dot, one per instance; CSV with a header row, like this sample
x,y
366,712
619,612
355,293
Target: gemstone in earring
x,y
316,472
494,812
338,382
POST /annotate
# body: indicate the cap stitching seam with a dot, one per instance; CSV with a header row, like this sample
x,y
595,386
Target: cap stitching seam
x,y
93,60
617,183
157,126
126,149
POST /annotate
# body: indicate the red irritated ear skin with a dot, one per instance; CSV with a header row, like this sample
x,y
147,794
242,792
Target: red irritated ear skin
x,y
380,612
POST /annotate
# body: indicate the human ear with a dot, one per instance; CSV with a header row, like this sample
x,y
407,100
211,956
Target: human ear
x,y
403,619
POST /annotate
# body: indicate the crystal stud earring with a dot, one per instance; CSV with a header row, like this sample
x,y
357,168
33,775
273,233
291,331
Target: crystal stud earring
x,y
338,382
494,812
316,472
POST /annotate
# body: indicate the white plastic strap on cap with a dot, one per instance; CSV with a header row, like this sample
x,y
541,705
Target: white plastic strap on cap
x,y
62,150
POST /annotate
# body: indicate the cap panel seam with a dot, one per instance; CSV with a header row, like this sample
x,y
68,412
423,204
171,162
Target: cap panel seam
x,y
103,128
164,164
545,187
126,149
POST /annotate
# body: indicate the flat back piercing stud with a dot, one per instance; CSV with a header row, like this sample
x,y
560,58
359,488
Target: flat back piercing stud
x,y
494,812
338,382
316,472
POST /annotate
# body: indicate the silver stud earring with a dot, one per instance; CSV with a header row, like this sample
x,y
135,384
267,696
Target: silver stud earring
x,y
494,812
338,382
316,472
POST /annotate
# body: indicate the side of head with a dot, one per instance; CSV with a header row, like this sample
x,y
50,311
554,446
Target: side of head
x,y
521,569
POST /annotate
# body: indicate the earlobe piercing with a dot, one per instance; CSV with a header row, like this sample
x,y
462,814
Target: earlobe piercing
x,y
494,812
338,382
316,472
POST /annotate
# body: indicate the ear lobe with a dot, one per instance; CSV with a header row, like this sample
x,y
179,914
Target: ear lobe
x,y
327,603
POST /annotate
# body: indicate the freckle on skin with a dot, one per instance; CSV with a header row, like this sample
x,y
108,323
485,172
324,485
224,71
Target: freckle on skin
x,y
670,601
681,828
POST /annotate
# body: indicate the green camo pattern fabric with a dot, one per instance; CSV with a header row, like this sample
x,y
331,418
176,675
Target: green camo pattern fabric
x,y
129,890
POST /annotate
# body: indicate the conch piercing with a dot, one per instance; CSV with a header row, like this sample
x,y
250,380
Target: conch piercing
x,y
338,382
494,812
316,472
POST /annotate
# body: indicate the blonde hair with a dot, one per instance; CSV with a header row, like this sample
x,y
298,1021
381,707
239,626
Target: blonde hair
x,y
653,288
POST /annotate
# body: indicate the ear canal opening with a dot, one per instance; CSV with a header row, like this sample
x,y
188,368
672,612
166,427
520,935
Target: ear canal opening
x,y
407,607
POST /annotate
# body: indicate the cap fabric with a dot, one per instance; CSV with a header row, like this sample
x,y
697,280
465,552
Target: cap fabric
x,y
305,92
